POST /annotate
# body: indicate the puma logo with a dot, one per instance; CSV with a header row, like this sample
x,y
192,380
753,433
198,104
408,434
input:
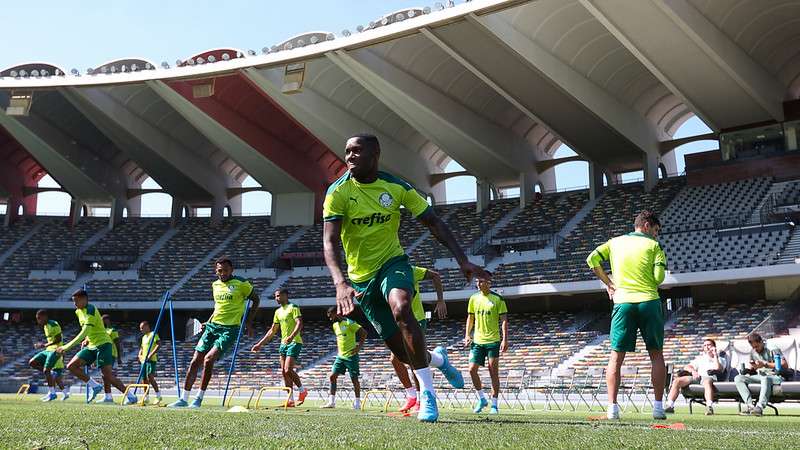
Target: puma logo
x,y
354,200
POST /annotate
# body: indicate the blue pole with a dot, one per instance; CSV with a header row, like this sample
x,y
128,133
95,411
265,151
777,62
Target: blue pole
x,y
152,339
174,352
235,351
86,367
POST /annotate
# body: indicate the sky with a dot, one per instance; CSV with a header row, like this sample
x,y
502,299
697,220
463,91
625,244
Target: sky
x,y
90,32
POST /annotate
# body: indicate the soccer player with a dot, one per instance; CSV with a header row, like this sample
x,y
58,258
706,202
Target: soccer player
x,y
116,354
48,361
488,314
289,321
98,349
637,266
420,273
221,330
149,359
346,332
362,213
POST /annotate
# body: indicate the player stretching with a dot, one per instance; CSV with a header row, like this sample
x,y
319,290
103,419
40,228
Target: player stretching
x,y
220,332
148,360
288,318
420,273
362,213
48,361
488,313
98,349
116,355
637,267
346,331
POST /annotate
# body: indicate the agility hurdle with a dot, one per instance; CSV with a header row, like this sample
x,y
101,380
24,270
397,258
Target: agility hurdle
x,y
23,390
241,389
285,389
385,392
135,386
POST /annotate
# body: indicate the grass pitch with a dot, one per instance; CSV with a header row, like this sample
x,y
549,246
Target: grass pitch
x,y
28,423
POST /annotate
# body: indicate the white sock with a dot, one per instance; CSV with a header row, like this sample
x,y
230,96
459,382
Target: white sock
x,y
436,360
92,383
51,390
658,405
613,407
185,395
670,403
158,395
65,391
357,402
411,392
201,394
481,394
425,379
332,399
108,396
494,402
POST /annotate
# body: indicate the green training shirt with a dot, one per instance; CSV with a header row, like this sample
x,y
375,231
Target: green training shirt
x,y
92,328
487,310
51,330
346,331
416,302
286,316
230,299
637,266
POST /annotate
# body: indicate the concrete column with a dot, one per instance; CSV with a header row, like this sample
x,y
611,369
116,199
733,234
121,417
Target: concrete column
x,y
217,211
235,204
483,190
293,209
650,164
438,193
670,163
595,180
177,210
117,206
75,210
527,181
134,206
12,211
547,179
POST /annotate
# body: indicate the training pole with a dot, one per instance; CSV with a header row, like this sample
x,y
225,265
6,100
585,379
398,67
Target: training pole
x,y
174,352
236,351
86,366
152,338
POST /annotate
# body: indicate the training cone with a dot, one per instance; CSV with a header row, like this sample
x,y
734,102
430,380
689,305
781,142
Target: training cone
x,y
673,426
238,409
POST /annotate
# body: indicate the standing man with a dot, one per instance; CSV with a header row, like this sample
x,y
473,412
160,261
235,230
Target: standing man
x,y
116,355
148,360
488,314
420,273
762,370
48,361
637,264
289,321
362,214
346,332
97,351
220,332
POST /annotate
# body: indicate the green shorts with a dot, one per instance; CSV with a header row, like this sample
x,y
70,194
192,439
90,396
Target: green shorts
x,y
396,273
221,336
291,349
57,373
102,355
47,359
628,318
341,365
479,352
149,368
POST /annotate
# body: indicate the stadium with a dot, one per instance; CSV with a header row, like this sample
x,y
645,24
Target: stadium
x,y
493,87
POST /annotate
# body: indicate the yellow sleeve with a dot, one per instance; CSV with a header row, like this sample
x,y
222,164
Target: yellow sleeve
x,y
296,313
419,273
471,306
77,339
659,265
356,326
600,254
334,206
502,308
414,202
247,288
275,317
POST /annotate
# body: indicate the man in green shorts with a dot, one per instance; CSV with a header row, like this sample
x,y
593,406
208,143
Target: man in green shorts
x,y
97,351
420,273
148,351
48,361
346,332
116,353
362,214
220,332
488,313
289,321
637,266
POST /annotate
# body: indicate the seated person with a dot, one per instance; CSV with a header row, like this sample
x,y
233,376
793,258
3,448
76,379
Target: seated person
x,y
760,369
703,369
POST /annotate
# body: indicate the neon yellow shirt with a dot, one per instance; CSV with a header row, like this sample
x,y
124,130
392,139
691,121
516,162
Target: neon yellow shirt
x,y
51,330
370,215
145,345
346,331
113,335
230,299
487,310
637,266
416,302
286,316
92,328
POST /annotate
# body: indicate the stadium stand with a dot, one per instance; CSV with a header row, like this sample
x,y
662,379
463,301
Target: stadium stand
x,y
130,238
14,233
546,215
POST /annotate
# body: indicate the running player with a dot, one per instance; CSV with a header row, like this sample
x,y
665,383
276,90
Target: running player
x,y
362,213
637,264
488,314
149,359
97,351
420,273
48,361
289,321
221,330
346,331
116,354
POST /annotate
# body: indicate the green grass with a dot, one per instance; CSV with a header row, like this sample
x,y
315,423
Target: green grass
x,y
29,424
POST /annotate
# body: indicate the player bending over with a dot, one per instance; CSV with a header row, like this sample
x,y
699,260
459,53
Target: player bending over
x,y
149,359
346,331
97,351
221,330
116,355
362,214
488,313
48,361
289,320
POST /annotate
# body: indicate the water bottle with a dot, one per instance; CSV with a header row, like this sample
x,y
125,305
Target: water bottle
x,y
777,363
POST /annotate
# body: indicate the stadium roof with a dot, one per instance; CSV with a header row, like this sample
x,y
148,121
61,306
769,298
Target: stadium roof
x,y
496,85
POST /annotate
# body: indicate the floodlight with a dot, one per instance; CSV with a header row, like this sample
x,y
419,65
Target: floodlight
x,y
313,39
34,73
399,17
360,28
200,60
330,36
439,6
14,73
226,57
164,65
251,52
411,14
75,72
346,33
426,10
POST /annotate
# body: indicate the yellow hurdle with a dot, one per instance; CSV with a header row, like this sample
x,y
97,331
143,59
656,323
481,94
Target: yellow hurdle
x,y
146,388
386,393
285,389
23,390
241,389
